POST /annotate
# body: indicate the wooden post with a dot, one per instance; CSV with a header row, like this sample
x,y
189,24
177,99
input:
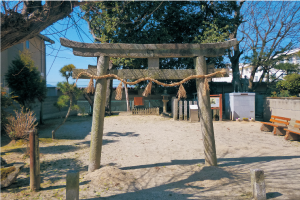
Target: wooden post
x,y
190,103
127,97
180,111
72,185
205,114
34,161
175,109
98,115
258,184
221,109
185,110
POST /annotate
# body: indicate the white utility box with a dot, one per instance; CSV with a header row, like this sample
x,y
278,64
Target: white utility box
x,y
194,113
240,105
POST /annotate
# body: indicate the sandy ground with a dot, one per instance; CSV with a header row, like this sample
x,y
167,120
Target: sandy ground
x,y
150,157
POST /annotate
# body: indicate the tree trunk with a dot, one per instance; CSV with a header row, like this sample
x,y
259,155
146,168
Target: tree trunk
x,y
260,79
88,98
234,59
98,115
236,80
205,114
127,98
68,113
251,79
110,96
41,114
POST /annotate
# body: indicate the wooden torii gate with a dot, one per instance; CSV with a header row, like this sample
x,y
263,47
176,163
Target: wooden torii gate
x,y
152,52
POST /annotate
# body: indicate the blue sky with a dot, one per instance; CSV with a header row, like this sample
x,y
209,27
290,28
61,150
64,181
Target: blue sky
x,y
57,56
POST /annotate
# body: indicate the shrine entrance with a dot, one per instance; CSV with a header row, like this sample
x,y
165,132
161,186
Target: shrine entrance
x,y
152,52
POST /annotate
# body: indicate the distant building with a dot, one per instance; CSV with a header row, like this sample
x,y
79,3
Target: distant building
x,y
37,48
245,69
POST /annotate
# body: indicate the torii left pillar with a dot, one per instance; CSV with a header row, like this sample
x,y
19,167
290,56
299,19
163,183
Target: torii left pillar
x,y
98,114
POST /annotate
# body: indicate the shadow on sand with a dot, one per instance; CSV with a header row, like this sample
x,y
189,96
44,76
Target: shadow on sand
x,y
166,191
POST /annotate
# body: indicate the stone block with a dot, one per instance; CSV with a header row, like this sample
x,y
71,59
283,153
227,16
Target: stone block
x,y
292,136
279,131
266,128
180,110
175,109
10,174
258,184
185,110
190,103
72,185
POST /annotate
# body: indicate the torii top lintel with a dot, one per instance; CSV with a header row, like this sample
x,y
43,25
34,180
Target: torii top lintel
x,y
123,50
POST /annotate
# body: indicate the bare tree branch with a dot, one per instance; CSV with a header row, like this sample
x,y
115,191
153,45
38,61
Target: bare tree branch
x,y
270,29
17,27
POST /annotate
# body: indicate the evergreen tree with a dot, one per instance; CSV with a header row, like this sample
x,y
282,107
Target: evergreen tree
x,y
153,22
25,80
70,93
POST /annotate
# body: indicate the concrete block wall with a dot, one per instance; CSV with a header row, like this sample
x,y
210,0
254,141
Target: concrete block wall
x,y
49,110
282,106
84,107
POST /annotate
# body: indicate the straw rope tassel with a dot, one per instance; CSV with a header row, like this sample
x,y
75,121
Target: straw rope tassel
x,y
119,91
90,89
147,90
181,92
206,87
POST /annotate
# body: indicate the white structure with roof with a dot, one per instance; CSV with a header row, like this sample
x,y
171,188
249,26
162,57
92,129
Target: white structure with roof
x,y
245,69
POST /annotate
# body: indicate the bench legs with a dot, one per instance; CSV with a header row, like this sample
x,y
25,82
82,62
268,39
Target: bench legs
x,y
278,131
291,136
266,128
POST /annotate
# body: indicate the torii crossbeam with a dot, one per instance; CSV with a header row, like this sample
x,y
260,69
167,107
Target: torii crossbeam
x,y
153,52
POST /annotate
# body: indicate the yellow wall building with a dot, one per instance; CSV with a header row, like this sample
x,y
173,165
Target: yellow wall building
x,y
37,48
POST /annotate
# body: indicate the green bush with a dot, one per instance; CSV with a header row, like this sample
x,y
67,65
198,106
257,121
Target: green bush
x,y
6,101
290,86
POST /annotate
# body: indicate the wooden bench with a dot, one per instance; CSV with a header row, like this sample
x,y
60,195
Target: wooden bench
x,y
293,133
277,124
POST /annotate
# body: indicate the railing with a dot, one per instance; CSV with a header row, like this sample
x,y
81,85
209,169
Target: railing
x,y
145,111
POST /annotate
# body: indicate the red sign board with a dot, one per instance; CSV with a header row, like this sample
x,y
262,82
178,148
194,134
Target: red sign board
x,y
216,103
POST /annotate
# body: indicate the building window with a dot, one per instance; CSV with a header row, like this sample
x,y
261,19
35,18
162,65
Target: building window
x,y
297,60
27,44
290,60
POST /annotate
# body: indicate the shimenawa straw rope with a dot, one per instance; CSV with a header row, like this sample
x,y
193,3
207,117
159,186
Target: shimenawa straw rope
x,y
181,92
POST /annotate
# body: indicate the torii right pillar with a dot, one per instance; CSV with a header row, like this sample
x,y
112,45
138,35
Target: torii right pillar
x,y
205,114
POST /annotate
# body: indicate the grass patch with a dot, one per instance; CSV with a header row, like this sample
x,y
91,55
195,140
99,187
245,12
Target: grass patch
x,y
45,140
21,142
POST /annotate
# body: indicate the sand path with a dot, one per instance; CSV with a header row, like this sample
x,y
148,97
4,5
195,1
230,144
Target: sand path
x,y
150,157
